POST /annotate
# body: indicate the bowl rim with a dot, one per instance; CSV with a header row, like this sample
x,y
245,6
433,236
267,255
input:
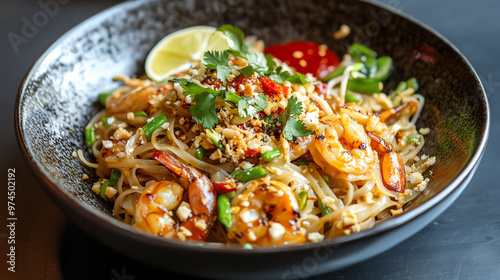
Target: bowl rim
x,y
51,188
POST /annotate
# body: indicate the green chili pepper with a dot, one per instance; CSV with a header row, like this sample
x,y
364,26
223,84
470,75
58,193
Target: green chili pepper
x,y
326,180
249,174
153,125
115,176
358,50
364,86
215,137
338,72
200,153
384,68
102,96
89,136
369,66
324,210
140,114
413,83
302,200
103,189
224,206
349,97
107,121
413,139
275,153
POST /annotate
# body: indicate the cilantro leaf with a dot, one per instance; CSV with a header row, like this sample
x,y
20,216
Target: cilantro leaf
x,y
248,107
257,61
280,77
216,60
271,64
299,79
247,71
203,111
235,41
192,88
293,127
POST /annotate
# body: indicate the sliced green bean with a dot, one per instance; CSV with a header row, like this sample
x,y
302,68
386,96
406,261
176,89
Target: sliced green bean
x,y
215,137
224,206
357,50
302,161
413,139
268,156
249,174
384,68
349,97
337,73
364,86
153,125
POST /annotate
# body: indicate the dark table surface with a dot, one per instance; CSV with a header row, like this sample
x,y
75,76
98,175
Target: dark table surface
x,y
463,243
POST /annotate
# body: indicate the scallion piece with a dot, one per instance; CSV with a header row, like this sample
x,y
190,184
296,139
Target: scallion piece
x,y
200,153
324,210
337,73
302,161
103,96
103,190
140,114
215,137
413,139
107,121
89,136
115,176
153,125
326,180
268,156
413,83
302,199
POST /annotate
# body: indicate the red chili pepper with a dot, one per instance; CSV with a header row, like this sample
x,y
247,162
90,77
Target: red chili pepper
x,y
251,152
225,186
306,57
273,87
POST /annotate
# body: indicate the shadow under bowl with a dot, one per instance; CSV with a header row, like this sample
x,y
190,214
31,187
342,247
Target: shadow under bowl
x,y
59,96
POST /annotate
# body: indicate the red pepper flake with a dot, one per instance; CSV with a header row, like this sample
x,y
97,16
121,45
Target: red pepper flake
x,y
272,88
251,152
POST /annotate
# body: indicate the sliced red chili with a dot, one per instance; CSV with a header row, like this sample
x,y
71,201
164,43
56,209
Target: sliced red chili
x,y
272,88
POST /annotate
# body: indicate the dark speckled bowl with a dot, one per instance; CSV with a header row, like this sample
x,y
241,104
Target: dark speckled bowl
x,y
58,97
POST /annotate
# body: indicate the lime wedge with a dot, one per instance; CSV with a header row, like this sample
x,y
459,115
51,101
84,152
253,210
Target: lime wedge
x,y
182,49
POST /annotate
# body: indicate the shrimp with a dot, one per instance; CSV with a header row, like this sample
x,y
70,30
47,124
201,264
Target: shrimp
x,y
136,99
300,147
342,146
266,214
154,207
391,165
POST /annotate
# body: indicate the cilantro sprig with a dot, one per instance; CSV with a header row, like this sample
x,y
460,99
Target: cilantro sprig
x,y
293,127
204,111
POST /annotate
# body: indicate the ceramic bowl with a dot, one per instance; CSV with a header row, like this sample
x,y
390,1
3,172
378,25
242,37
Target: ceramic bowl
x,y
59,96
